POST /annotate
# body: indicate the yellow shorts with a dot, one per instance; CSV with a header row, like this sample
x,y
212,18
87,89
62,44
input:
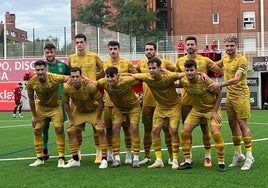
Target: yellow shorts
x,y
167,116
81,118
147,115
108,116
118,116
238,107
195,117
185,110
45,113
108,111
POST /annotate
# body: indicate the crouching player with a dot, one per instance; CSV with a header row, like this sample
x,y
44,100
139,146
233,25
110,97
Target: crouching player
x,y
87,107
205,105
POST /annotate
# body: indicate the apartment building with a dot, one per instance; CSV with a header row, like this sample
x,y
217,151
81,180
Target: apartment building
x,y
13,34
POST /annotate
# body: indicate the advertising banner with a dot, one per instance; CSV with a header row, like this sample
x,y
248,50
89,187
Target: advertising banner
x,y
12,72
260,63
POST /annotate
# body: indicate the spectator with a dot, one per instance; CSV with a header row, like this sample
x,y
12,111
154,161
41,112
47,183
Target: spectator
x,y
180,46
214,46
206,50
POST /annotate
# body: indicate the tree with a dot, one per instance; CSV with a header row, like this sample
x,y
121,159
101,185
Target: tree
x,y
94,13
134,18
129,16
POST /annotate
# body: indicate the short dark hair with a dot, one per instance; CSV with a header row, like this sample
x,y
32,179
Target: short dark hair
x,y
113,43
39,63
111,71
191,38
155,60
75,69
152,44
50,46
80,36
190,63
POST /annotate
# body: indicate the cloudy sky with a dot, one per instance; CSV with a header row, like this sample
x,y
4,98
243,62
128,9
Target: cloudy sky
x,y
38,14
46,15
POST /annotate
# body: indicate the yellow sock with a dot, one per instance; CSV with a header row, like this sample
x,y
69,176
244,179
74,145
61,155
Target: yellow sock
x,y
116,145
237,143
186,144
157,148
219,145
248,143
61,144
38,145
136,145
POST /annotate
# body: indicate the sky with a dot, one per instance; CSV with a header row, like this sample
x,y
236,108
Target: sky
x,y
48,16
38,14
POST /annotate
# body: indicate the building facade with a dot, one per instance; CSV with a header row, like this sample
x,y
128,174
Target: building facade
x,y
183,17
13,34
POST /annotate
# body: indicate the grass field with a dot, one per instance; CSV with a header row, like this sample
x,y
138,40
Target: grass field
x,y
17,152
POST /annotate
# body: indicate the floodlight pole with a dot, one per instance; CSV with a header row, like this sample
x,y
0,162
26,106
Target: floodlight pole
x,y
5,40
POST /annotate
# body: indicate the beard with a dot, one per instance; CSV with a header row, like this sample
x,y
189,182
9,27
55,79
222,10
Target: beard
x,y
149,56
230,52
50,59
190,51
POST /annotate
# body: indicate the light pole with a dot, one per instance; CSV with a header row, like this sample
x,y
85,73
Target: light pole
x,y
5,40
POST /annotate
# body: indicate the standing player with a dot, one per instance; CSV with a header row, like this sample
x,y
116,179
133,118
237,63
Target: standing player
x,y
17,98
149,103
126,105
206,105
58,67
122,65
47,105
203,65
87,107
92,67
167,110
235,67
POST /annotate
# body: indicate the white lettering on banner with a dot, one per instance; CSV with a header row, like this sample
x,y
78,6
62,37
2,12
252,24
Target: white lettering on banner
x,y
3,76
24,65
5,95
5,66
13,70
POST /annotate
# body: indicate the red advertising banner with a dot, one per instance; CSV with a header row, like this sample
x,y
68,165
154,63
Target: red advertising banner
x,y
6,96
12,72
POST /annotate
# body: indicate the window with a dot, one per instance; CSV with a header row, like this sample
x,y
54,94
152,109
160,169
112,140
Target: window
x,y
163,20
248,1
215,18
249,20
161,4
13,34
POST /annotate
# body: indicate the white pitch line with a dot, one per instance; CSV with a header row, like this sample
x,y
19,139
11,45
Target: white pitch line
x,y
92,154
15,126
